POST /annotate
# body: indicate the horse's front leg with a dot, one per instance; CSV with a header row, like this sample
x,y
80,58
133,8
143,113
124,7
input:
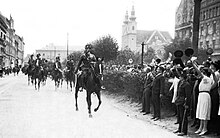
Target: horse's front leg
x,y
76,96
35,83
71,86
99,98
89,102
39,81
28,80
67,83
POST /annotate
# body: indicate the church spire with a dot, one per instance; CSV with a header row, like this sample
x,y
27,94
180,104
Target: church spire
x,y
132,18
126,18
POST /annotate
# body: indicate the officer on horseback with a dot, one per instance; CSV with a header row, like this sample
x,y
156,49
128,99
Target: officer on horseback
x,y
69,64
38,62
31,62
57,65
87,62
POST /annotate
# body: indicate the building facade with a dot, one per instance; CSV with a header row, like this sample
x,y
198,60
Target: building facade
x,y
51,51
12,50
133,38
209,28
3,31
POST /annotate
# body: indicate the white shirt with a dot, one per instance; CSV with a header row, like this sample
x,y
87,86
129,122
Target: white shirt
x,y
174,86
206,83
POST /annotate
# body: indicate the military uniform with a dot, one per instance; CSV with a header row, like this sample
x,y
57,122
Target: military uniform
x,y
87,62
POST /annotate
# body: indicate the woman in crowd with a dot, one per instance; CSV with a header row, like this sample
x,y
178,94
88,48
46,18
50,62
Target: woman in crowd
x,y
203,110
212,125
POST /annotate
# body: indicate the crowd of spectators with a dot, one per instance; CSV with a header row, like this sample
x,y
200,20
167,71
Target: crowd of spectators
x,y
195,93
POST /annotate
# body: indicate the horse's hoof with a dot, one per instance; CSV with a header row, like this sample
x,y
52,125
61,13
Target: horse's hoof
x,y
77,109
90,116
95,109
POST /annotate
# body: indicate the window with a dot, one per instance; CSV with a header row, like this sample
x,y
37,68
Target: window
x,y
201,44
213,44
201,16
214,12
207,44
132,27
210,13
214,27
207,14
201,32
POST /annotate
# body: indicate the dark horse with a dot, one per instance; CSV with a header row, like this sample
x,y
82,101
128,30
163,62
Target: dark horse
x,y
70,77
91,86
57,77
16,70
27,70
38,74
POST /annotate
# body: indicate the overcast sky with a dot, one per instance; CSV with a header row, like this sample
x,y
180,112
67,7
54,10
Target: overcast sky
x,y
41,22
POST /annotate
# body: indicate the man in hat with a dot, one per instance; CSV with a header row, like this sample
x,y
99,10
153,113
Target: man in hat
x,y
57,65
38,62
158,85
31,61
86,62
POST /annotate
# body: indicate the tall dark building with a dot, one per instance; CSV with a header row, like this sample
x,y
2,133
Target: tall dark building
x,y
209,29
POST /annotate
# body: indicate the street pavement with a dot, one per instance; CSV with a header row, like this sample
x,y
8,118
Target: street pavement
x,y
27,113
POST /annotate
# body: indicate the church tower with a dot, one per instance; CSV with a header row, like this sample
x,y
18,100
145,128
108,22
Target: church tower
x,y
129,31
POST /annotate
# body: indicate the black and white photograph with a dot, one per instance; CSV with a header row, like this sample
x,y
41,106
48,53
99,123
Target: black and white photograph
x,y
110,69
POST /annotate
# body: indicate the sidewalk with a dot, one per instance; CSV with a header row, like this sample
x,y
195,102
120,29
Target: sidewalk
x,y
167,121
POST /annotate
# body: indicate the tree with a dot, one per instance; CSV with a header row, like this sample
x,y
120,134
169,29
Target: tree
x,y
182,45
149,55
75,56
124,56
106,47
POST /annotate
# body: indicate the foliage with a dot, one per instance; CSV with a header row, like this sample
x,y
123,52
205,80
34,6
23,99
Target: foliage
x,y
131,84
149,55
106,47
124,56
182,45
75,56
123,82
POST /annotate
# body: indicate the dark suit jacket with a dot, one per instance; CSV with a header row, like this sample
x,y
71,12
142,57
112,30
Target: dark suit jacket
x,y
148,81
183,93
158,84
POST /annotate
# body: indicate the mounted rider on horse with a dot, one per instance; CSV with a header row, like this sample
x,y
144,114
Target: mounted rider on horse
x,y
57,74
87,63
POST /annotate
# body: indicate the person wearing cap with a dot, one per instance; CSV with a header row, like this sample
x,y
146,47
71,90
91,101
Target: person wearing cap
x,y
31,63
86,62
38,62
182,102
158,85
57,65
147,92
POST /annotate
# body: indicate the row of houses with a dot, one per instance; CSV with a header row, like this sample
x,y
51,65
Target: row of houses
x,y
11,44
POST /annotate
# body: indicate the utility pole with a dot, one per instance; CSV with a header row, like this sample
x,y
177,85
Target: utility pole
x,y
142,54
196,20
